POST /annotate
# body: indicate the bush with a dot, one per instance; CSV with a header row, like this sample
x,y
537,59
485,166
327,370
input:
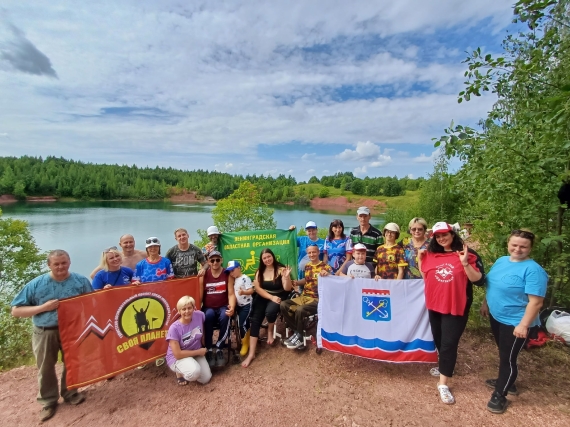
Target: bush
x,y
20,261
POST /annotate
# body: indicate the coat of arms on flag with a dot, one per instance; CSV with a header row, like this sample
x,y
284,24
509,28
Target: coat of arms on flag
x,y
376,305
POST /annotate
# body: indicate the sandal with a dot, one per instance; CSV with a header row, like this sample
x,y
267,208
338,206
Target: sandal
x,y
181,381
445,394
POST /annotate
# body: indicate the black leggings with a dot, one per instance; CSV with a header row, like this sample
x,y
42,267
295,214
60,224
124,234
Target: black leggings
x,y
264,308
447,330
509,349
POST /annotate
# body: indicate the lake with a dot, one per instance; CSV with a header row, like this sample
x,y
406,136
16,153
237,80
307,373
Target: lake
x,y
84,229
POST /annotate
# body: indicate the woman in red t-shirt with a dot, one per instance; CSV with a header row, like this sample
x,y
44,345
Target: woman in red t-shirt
x,y
448,268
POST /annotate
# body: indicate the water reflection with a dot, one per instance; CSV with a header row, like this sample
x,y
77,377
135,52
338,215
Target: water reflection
x,y
84,229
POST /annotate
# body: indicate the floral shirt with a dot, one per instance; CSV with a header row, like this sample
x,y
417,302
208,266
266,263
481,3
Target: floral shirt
x,y
411,256
388,260
312,273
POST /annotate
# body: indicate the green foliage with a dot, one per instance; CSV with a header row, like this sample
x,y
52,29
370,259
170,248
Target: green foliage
x,y
20,262
439,201
314,180
324,192
242,210
515,164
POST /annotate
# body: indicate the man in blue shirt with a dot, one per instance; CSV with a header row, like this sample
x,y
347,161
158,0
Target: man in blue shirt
x,y
39,299
303,242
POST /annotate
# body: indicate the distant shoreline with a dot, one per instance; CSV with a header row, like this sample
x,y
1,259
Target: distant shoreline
x,y
339,203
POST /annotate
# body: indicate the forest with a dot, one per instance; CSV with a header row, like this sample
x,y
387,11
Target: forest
x,y
52,176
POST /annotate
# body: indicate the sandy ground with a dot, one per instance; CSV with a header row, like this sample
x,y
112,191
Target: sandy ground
x,y
289,388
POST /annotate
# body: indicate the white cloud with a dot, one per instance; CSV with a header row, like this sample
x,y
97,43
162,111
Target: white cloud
x,y
360,171
363,151
308,156
209,82
422,158
310,172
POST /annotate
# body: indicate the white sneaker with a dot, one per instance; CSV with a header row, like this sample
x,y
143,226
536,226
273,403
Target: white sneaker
x,y
445,394
434,372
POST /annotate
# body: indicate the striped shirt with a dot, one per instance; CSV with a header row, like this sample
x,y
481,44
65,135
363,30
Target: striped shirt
x,y
371,239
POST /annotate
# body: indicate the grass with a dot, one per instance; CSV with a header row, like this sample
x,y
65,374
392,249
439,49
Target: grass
x,y
398,202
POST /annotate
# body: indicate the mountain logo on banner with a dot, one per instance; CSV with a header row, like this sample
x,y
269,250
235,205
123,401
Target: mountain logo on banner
x,y
376,305
143,315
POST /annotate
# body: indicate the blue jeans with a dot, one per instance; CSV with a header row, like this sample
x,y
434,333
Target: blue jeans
x,y
243,312
213,314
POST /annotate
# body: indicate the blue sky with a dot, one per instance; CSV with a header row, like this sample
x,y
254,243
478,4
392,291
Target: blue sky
x,y
292,87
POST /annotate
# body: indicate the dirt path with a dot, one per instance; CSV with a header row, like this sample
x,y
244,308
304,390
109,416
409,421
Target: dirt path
x,y
287,388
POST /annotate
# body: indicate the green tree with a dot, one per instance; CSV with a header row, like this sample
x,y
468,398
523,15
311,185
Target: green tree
x,y
438,199
515,164
242,210
20,261
358,187
324,192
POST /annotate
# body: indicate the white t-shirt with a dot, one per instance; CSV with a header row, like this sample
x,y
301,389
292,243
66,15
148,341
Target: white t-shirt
x,y
244,283
365,270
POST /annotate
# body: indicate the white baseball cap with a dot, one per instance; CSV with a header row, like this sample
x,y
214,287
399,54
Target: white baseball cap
x,y
311,224
152,241
363,210
212,230
359,247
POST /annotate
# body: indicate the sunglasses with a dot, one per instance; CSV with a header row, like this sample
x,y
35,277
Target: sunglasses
x,y
523,234
417,229
153,240
112,248
215,260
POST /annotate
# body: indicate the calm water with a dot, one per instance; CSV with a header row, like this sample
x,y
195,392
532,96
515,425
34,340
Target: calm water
x,y
84,229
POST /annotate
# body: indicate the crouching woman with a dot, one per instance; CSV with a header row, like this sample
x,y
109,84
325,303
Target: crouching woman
x,y
186,351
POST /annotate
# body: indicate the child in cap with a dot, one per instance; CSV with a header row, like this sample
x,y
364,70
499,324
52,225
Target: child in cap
x,y
357,266
244,291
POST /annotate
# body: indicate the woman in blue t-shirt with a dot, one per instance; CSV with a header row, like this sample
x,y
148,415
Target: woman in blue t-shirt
x,y
338,247
111,272
516,286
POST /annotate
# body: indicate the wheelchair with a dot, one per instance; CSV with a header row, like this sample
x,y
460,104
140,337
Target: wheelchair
x,y
309,328
232,346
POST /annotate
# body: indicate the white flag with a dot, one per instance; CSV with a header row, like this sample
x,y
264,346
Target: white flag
x,y
383,320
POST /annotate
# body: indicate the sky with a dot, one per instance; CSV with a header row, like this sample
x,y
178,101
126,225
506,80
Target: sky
x,y
299,88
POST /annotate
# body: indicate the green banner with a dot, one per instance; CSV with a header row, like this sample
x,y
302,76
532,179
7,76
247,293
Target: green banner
x,y
246,246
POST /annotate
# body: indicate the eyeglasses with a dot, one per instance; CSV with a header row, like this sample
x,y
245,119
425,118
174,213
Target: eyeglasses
x,y
215,260
417,229
112,248
524,234
153,240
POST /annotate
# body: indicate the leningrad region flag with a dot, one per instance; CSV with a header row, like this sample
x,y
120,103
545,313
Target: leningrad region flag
x,y
382,320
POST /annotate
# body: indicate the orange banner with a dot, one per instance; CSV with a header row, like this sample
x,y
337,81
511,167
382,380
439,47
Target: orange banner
x,y
114,330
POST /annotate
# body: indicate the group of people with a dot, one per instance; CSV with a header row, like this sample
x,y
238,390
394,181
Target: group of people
x,y
516,286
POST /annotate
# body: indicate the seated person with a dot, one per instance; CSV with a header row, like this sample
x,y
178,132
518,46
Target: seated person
x,y
185,338
244,291
357,266
296,310
218,302
111,273
272,284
